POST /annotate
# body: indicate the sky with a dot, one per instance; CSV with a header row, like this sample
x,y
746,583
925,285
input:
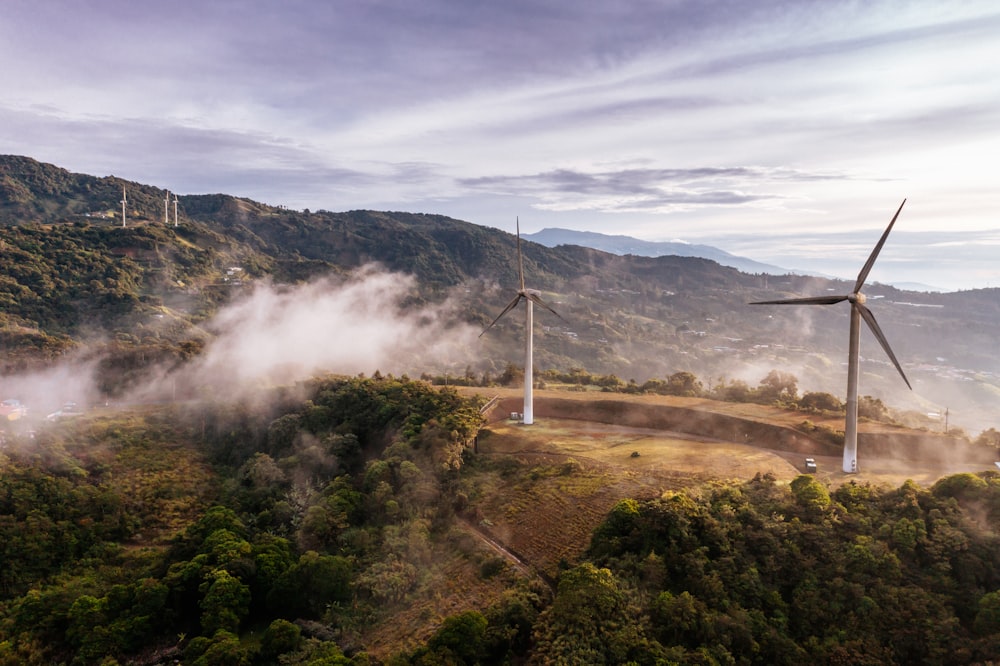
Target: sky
x,y
788,132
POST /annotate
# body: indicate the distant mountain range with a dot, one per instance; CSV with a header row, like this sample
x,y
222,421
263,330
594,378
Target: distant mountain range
x,y
624,245
629,245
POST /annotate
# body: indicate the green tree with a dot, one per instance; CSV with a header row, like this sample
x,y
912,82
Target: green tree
x,y
225,603
873,409
314,583
223,649
778,386
461,637
590,621
512,375
990,438
280,637
820,402
684,384
810,494
736,390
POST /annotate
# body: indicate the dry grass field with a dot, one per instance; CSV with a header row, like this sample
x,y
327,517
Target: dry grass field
x,y
554,481
708,439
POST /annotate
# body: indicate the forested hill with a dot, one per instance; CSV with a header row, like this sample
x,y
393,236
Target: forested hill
x,y
437,249
70,267
70,273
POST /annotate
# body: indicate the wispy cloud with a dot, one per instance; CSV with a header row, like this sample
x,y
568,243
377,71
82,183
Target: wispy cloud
x,y
645,189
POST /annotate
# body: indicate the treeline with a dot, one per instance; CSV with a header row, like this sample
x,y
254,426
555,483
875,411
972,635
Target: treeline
x,y
779,389
767,573
776,388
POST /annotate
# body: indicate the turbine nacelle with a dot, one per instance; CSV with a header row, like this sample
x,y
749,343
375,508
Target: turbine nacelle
x,y
857,297
532,295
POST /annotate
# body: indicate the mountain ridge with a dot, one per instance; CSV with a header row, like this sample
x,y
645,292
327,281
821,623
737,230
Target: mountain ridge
x,y
624,245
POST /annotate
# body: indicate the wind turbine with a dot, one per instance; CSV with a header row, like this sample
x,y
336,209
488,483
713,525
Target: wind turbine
x,y
530,297
124,203
859,311
175,210
166,209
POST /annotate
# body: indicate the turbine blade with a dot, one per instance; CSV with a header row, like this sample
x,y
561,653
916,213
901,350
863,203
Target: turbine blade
x,y
808,300
520,263
510,306
869,318
535,298
863,275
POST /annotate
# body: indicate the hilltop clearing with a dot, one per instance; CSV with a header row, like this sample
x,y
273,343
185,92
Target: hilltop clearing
x,y
552,483
710,439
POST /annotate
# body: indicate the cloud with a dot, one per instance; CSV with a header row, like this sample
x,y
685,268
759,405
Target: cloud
x,y
194,160
283,334
279,335
45,390
647,189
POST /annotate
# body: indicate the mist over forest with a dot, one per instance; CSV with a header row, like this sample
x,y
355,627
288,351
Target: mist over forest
x,y
254,435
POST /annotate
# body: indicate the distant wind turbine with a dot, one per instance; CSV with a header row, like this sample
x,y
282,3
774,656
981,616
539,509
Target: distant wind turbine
x,y
124,203
175,210
859,311
530,297
166,209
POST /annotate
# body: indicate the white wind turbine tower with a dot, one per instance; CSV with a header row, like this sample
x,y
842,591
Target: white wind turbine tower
x,y
530,296
859,311
166,209
124,203
175,210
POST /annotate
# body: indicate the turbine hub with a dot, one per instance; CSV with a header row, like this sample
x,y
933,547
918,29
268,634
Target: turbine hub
x,y
858,298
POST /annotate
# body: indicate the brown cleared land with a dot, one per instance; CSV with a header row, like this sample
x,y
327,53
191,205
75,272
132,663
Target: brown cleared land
x,y
568,469
887,453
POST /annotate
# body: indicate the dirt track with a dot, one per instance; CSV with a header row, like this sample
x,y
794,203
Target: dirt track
x,y
706,439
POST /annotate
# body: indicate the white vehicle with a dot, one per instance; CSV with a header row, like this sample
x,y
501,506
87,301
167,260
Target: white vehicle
x,y
810,465
68,409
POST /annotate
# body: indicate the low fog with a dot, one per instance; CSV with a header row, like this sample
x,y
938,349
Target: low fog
x,y
283,334
367,322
